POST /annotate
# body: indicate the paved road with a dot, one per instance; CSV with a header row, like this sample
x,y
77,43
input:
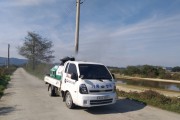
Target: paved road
x,y
27,99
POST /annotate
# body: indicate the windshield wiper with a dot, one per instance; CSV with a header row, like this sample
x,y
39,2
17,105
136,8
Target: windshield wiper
x,y
101,79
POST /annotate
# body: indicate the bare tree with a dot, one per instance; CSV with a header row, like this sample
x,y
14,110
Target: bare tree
x,y
36,49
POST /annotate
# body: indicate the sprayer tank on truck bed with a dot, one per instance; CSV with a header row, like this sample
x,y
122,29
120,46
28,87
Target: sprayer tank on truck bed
x,y
84,84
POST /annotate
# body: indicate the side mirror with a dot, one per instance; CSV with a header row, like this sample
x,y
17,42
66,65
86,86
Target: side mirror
x,y
113,76
74,76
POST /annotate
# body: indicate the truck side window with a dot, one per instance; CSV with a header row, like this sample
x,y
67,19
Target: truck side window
x,y
72,69
66,68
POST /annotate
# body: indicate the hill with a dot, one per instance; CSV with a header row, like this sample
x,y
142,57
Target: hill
x,y
13,61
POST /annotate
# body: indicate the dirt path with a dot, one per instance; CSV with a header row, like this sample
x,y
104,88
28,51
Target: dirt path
x,y
147,79
27,99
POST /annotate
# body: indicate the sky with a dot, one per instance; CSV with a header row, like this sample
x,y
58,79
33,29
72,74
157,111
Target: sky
x,y
113,32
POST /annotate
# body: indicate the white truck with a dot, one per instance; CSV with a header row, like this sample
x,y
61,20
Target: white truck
x,y
84,84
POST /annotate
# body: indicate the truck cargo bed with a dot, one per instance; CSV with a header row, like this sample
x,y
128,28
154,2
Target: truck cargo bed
x,y
52,81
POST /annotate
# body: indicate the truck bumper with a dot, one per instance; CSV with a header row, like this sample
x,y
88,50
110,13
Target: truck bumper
x,y
88,100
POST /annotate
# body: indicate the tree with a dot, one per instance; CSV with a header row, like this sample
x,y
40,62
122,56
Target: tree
x,y
149,71
176,69
132,70
36,49
162,73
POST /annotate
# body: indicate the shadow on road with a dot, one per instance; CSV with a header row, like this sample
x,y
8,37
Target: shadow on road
x,y
6,110
121,106
9,93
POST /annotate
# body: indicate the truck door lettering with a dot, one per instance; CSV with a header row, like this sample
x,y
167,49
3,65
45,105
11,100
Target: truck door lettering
x,y
69,81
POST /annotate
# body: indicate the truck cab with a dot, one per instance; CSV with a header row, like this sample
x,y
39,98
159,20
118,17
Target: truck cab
x,y
87,84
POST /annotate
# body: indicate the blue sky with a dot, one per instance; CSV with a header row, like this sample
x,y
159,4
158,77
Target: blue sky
x,y
113,32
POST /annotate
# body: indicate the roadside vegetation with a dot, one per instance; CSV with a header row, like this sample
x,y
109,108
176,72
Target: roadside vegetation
x,y
153,98
148,71
40,70
5,77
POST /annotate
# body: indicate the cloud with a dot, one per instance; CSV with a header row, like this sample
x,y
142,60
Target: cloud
x,y
27,2
133,43
116,35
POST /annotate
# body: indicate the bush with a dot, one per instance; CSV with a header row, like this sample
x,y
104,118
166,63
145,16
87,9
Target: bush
x,y
3,83
1,90
5,77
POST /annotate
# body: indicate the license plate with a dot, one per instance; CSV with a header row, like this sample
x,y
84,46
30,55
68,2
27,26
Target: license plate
x,y
102,97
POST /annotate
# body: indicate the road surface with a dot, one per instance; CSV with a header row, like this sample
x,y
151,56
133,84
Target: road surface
x,y
27,99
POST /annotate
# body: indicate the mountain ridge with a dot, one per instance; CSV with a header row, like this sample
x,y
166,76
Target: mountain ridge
x,y
13,61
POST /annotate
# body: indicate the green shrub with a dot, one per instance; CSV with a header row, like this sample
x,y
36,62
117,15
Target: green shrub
x,y
5,77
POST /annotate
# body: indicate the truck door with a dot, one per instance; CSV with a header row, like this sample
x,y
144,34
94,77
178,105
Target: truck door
x,y
71,81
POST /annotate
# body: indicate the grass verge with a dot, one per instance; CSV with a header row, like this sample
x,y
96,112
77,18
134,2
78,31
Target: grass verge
x,y
153,98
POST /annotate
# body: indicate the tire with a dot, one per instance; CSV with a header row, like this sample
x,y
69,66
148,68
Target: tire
x,y
51,90
69,101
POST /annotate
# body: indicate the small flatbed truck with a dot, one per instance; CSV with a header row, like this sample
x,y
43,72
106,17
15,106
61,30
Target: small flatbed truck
x,y
84,84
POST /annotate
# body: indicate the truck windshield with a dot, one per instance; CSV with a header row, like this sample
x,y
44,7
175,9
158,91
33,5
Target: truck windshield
x,y
94,71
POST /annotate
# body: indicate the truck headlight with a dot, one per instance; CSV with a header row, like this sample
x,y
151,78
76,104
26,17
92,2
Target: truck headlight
x,y
83,89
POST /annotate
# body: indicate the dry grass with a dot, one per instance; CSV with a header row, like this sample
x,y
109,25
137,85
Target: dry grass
x,y
153,98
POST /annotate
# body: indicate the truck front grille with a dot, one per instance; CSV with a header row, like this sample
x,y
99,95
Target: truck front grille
x,y
99,102
94,91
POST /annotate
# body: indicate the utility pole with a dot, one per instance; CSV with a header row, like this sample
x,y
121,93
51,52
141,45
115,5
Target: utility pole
x,y
77,25
8,55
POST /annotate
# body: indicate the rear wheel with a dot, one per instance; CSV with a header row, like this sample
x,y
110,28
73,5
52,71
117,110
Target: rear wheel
x,y
51,90
69,101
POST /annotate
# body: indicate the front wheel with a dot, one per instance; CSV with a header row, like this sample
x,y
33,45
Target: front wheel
x,y
69,101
